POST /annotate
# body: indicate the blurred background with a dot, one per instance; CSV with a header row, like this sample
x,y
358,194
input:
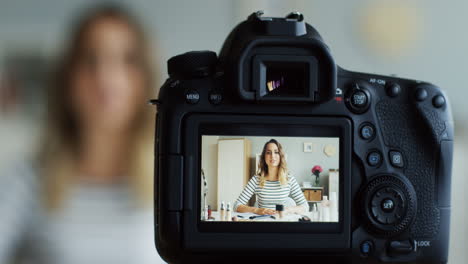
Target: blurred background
x,y
423,40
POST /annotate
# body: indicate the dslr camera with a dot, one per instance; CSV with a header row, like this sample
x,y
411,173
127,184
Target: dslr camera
x,y
269,151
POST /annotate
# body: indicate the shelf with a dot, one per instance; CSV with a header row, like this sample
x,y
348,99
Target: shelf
x,y
311,188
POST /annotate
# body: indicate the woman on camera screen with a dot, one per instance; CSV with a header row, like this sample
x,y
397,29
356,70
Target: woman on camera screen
x,y
272,185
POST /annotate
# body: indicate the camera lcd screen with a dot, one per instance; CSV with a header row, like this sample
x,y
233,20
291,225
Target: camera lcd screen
x,y
276,179
286,79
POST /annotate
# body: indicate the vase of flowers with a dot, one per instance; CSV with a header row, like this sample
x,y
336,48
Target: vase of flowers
x,y
316,170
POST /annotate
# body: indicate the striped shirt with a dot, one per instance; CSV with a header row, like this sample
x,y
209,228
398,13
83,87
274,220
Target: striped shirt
x,y
96,223
272,193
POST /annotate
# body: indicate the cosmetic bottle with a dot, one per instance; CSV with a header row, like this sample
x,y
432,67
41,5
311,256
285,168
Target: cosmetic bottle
x,y
228,212
221,212
325,209
315,213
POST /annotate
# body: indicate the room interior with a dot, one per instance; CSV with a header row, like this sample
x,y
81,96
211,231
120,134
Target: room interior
x,y
228,163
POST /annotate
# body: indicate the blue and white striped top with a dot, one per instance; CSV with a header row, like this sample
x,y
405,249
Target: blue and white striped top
x,y
272,193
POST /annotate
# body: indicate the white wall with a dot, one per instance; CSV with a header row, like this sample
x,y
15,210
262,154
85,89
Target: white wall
x,y
299,162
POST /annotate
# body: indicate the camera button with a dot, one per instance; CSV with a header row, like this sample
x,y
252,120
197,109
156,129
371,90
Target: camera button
x,y
358,99
374,159
438,101
215,97
396,159
388,205
367,131
366,248
192,96
401,247
393,89
421,94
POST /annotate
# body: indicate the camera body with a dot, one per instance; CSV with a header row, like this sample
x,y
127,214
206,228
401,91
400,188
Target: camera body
x,y
276,77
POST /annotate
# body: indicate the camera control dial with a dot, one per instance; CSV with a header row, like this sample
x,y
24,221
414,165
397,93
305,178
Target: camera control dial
x,y
388,205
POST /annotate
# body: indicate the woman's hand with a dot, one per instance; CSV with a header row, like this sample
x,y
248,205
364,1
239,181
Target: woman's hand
x,y
264,211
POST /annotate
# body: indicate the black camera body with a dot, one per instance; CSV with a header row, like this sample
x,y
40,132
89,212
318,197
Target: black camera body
x,y
276,77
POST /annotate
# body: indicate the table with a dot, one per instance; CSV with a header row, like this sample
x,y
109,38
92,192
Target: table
x,y
286,218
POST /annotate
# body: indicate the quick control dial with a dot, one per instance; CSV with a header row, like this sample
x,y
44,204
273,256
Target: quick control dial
x,y
388,205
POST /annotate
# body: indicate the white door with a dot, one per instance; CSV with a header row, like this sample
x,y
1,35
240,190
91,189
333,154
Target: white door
x,y
231,170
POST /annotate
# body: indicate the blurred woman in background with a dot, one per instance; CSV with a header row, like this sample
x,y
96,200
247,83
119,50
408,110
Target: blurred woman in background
x,y
95,168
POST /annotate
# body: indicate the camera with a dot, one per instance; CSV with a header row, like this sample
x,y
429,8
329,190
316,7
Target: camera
x,y
271,152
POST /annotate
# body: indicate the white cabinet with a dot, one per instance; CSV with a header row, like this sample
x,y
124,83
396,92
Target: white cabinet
x,y
233,168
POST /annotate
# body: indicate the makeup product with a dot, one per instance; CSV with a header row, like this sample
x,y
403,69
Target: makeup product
x,y
315,213
325,209
280,210
228,212
221,212
209,212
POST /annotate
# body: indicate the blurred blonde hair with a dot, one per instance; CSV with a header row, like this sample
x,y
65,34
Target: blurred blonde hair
x,y
282,167
58,154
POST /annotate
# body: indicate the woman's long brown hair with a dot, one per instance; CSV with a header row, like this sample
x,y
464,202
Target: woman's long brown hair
x,y
282,166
